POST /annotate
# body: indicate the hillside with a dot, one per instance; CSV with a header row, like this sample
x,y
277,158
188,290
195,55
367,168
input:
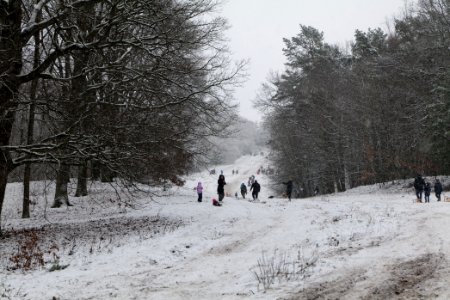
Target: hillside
x,y
370,242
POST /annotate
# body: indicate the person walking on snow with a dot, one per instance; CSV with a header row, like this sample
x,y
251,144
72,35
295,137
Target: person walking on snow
x,y
438,189
419,185
289,186
427,192
200,191
243,190
221,187
256,189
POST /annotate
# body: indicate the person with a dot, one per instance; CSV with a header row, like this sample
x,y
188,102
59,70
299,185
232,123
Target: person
x,y
256,189
243,190
215,202
427,192
316,190
289,186
419,184
221,187
199,192
438,189
232,172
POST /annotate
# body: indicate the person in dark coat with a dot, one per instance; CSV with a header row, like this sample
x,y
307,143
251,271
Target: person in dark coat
x,y
438,189
289,186
221,187
419,185
243,190
256,189
427,190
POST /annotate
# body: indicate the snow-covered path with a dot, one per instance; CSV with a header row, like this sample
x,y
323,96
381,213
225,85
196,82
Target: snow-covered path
x,y
366,243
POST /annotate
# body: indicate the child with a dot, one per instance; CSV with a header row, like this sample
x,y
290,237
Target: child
x,y
200,192
215,202
243,190
427,192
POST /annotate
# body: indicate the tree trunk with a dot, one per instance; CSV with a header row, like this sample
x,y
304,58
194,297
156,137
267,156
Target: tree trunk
x,y
82,181
10,68
346,178
61,195
3,181
106,175
30,129
95,170
26,192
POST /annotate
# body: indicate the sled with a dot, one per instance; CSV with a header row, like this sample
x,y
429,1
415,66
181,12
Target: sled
x,y
417,200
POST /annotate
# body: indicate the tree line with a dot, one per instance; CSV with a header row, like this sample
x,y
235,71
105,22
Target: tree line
x,y
130,89
379,111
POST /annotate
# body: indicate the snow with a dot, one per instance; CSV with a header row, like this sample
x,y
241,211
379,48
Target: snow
x,y
369,242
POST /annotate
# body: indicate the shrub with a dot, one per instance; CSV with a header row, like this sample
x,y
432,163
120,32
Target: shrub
x,y
282,266
29,255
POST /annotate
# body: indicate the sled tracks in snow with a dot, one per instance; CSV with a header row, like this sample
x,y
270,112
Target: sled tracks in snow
x,y
404,280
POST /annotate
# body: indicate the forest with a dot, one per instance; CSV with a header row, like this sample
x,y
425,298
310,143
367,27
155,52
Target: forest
x,y
110,89
376,111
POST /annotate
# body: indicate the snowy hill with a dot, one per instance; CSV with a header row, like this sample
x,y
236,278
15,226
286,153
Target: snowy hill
x,y
369,242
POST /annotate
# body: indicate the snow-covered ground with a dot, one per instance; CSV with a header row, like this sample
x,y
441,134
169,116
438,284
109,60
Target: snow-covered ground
x,y
369,243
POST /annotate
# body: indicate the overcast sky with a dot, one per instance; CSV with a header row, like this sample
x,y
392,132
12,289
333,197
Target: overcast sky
x,y
258,27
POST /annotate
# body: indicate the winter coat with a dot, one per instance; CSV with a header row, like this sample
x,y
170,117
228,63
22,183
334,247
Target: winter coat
x,y
256,187
427,189
288,186
243,188
221,184
438,187
419,183
199,188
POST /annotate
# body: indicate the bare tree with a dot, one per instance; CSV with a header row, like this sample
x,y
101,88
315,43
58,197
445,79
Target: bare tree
x,y
131,84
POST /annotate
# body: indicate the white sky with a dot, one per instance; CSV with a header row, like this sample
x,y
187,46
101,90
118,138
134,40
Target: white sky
x,y
258,27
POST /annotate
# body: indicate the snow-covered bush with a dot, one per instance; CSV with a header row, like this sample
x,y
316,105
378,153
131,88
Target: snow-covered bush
x,y
283,266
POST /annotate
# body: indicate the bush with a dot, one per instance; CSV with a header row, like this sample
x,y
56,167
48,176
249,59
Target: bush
x,y
29,255
282,267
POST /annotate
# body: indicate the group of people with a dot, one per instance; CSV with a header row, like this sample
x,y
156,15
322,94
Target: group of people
x,y
255,188
220,190
423,187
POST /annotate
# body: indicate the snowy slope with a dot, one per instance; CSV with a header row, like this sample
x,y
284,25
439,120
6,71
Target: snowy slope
x,y
369,242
